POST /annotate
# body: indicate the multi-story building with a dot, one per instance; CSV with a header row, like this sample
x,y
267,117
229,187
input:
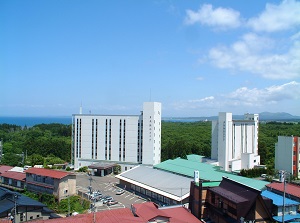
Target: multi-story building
x,y
124,139
287,154
234,143
59,183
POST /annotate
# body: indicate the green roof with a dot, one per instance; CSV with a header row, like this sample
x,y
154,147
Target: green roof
x,y
208,172
194,157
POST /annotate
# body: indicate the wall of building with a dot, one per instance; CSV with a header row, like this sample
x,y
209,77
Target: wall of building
x,y
232,138
151,133
121,139
284,153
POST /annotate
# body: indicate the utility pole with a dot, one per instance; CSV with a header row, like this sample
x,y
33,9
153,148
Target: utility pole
x,y
282,176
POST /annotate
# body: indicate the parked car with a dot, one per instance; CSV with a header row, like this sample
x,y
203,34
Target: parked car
x,y
112,202
109,198
119,192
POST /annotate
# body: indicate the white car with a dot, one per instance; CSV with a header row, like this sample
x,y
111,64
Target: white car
x,y
119,192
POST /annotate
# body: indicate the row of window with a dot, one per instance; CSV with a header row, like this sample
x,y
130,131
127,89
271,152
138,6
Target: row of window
x,y
153,195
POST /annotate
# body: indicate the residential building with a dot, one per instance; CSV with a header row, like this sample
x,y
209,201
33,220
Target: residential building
x,y
26,208
139,213
235,202
59,183
127,140
281,203
234,143
13,180
287,155
291,191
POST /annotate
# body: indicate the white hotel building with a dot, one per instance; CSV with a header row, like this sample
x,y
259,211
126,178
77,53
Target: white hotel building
x,y
234,143
127,140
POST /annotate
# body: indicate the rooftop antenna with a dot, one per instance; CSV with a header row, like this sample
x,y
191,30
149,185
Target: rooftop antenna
x,y
150,95
80,109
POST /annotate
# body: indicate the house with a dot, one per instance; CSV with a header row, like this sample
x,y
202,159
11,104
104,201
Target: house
x,y
139,213
235,202
13,180
290,207
150,212
59,183
26,208
292,191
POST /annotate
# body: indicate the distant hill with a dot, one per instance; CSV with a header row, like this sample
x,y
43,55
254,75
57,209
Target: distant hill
x,y
278,116
264,116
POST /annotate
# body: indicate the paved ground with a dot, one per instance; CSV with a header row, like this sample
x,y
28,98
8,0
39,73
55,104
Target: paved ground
x,y
108,186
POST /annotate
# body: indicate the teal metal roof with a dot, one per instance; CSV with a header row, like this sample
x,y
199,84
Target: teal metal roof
x,y
194,157
207,172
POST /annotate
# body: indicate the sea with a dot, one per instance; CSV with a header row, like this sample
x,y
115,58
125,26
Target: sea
x,y
31,121
67,120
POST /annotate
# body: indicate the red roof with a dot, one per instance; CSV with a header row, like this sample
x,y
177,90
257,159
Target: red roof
x,y
57,174
176,214
14,175
4,168
123,215
291,189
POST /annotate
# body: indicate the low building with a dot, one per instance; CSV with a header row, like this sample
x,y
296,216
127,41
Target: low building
x,y
292,191
156,185
26,208
59,183
235,202
291,207
13,180
139,213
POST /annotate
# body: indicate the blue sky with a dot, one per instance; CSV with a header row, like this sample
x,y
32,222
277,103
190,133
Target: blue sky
x,y
195,57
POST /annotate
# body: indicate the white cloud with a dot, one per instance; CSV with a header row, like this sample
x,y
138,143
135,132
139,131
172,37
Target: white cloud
x,y
219,17
245,98
258,55
277,17
206,99
259,97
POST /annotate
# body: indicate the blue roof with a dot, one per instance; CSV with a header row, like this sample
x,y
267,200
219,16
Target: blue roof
x,y
7,201
287,217
278,199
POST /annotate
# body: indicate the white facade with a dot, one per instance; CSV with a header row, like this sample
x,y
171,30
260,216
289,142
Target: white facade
x,y
235,142
123,139
287,154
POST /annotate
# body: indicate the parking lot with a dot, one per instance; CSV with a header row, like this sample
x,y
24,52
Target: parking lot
x,y
108,186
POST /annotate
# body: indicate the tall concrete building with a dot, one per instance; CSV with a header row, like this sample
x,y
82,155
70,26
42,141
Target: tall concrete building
x,y
234,143
287,154
124,139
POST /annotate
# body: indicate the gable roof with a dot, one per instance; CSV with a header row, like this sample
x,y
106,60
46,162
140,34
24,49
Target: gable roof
x,y
7,200
14,175
123,215
57,174
149,211
4,168
291,189
207,172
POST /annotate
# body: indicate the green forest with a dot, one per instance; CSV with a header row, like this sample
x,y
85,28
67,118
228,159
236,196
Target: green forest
x,y
51,143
